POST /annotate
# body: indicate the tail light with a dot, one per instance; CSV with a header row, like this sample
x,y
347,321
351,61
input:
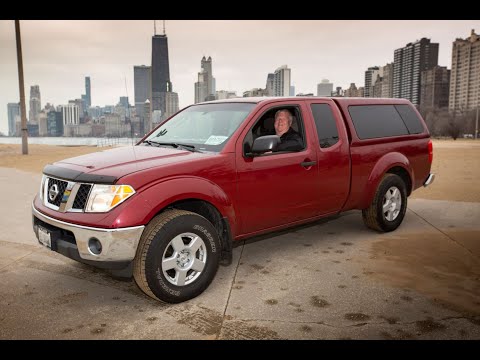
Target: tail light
x,y
430,151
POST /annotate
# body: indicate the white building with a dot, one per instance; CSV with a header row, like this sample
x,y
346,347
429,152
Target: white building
x,y
282,81
70,114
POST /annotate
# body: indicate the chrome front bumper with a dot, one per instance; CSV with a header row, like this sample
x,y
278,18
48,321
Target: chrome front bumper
x,y
429,180
117,244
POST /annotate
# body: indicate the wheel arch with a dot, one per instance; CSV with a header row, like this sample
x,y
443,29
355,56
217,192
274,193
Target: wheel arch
x,y
393,163
199,196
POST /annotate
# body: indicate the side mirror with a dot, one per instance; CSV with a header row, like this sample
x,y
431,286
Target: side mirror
x,y
263,144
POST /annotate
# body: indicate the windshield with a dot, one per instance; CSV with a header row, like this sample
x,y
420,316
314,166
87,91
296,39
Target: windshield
x,y
206,127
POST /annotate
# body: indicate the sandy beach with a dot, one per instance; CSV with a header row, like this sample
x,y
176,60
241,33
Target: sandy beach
x,y
456,165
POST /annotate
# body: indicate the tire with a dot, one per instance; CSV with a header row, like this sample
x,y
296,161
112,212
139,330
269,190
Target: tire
x,y
391,194
165,267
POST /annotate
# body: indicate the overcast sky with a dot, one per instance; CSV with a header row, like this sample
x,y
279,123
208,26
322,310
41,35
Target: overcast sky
x,y
57,55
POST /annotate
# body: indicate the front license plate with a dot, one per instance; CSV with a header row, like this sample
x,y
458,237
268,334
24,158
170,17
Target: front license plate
x,y
44,237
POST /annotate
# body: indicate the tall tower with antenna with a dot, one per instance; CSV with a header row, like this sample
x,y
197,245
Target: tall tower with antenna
x,y
160,71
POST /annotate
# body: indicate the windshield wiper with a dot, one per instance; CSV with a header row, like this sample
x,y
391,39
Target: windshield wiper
x,y
175,145
151,143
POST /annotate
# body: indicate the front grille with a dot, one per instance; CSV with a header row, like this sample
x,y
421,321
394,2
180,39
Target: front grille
x,y
82,196
62,185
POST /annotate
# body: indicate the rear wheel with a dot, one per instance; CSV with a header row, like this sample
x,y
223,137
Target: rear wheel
x,y
177,257
387,210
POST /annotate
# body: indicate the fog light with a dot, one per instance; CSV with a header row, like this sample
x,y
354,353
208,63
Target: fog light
x,y
95,246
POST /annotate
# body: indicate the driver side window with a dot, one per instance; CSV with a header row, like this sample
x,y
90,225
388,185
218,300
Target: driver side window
x,y
265,125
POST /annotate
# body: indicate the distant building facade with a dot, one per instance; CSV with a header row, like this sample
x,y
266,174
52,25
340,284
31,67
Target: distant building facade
x,y
224,94
171,104
409,62
55,123
70,114
35,103
371,76
282,81
465,75
142,86
255,92
160,73
13,112
88,94
353,91
205,86
435,86
325,88
269,88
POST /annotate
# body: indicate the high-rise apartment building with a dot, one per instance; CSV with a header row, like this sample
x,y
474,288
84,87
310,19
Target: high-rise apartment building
x,y
205,86
13,112
325,88
465,75
35,103
435,87
371,76
282,81
409,62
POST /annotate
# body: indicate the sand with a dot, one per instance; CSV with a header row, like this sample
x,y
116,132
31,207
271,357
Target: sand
x,y
456,165
39,155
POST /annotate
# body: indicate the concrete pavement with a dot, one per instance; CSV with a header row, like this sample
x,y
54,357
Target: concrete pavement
x,y
334,279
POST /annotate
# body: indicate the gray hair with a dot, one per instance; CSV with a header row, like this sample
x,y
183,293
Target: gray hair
x,y
290,116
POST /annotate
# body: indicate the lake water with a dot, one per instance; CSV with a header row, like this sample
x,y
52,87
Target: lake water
x,y
71,141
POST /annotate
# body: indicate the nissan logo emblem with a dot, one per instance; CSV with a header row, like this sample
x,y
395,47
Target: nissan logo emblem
x,y
53,192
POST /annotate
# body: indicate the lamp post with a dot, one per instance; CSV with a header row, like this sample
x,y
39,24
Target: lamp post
x,y
22,89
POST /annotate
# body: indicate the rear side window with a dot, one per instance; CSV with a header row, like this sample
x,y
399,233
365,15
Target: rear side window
x,y
325,124
376,121
410,118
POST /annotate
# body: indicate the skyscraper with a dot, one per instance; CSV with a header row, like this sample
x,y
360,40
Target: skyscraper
x,y
205,86
160,72
465,75
13,113
409,62
35,103
88,95
142,87
325,88
282,81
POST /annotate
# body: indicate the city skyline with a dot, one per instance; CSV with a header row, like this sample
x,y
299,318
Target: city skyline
x,y
58,55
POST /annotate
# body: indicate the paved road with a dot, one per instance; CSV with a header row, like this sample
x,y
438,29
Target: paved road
x,y
334,279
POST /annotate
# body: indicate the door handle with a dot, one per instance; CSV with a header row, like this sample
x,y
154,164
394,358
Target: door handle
x,y
308,163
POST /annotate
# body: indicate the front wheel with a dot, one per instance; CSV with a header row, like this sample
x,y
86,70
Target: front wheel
x,y
177,257
387,210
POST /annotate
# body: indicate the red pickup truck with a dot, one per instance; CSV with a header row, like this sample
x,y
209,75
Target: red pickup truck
x,y
168,209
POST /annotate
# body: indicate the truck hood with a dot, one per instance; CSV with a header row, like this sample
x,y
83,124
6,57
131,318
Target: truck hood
x,y
115,163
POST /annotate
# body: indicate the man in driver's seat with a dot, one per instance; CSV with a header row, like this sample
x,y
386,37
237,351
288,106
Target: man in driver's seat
x,y
290,139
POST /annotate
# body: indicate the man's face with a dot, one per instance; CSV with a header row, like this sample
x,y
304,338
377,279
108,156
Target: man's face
x,y
282,123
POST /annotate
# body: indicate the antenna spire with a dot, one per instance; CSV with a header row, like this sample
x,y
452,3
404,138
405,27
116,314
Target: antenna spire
x,y
163,27
154,27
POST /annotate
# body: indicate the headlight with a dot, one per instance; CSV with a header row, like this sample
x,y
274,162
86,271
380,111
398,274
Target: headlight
x,y
105,197
42,187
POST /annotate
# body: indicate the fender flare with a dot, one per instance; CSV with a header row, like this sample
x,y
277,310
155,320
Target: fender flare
x,y
184,188
385,163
